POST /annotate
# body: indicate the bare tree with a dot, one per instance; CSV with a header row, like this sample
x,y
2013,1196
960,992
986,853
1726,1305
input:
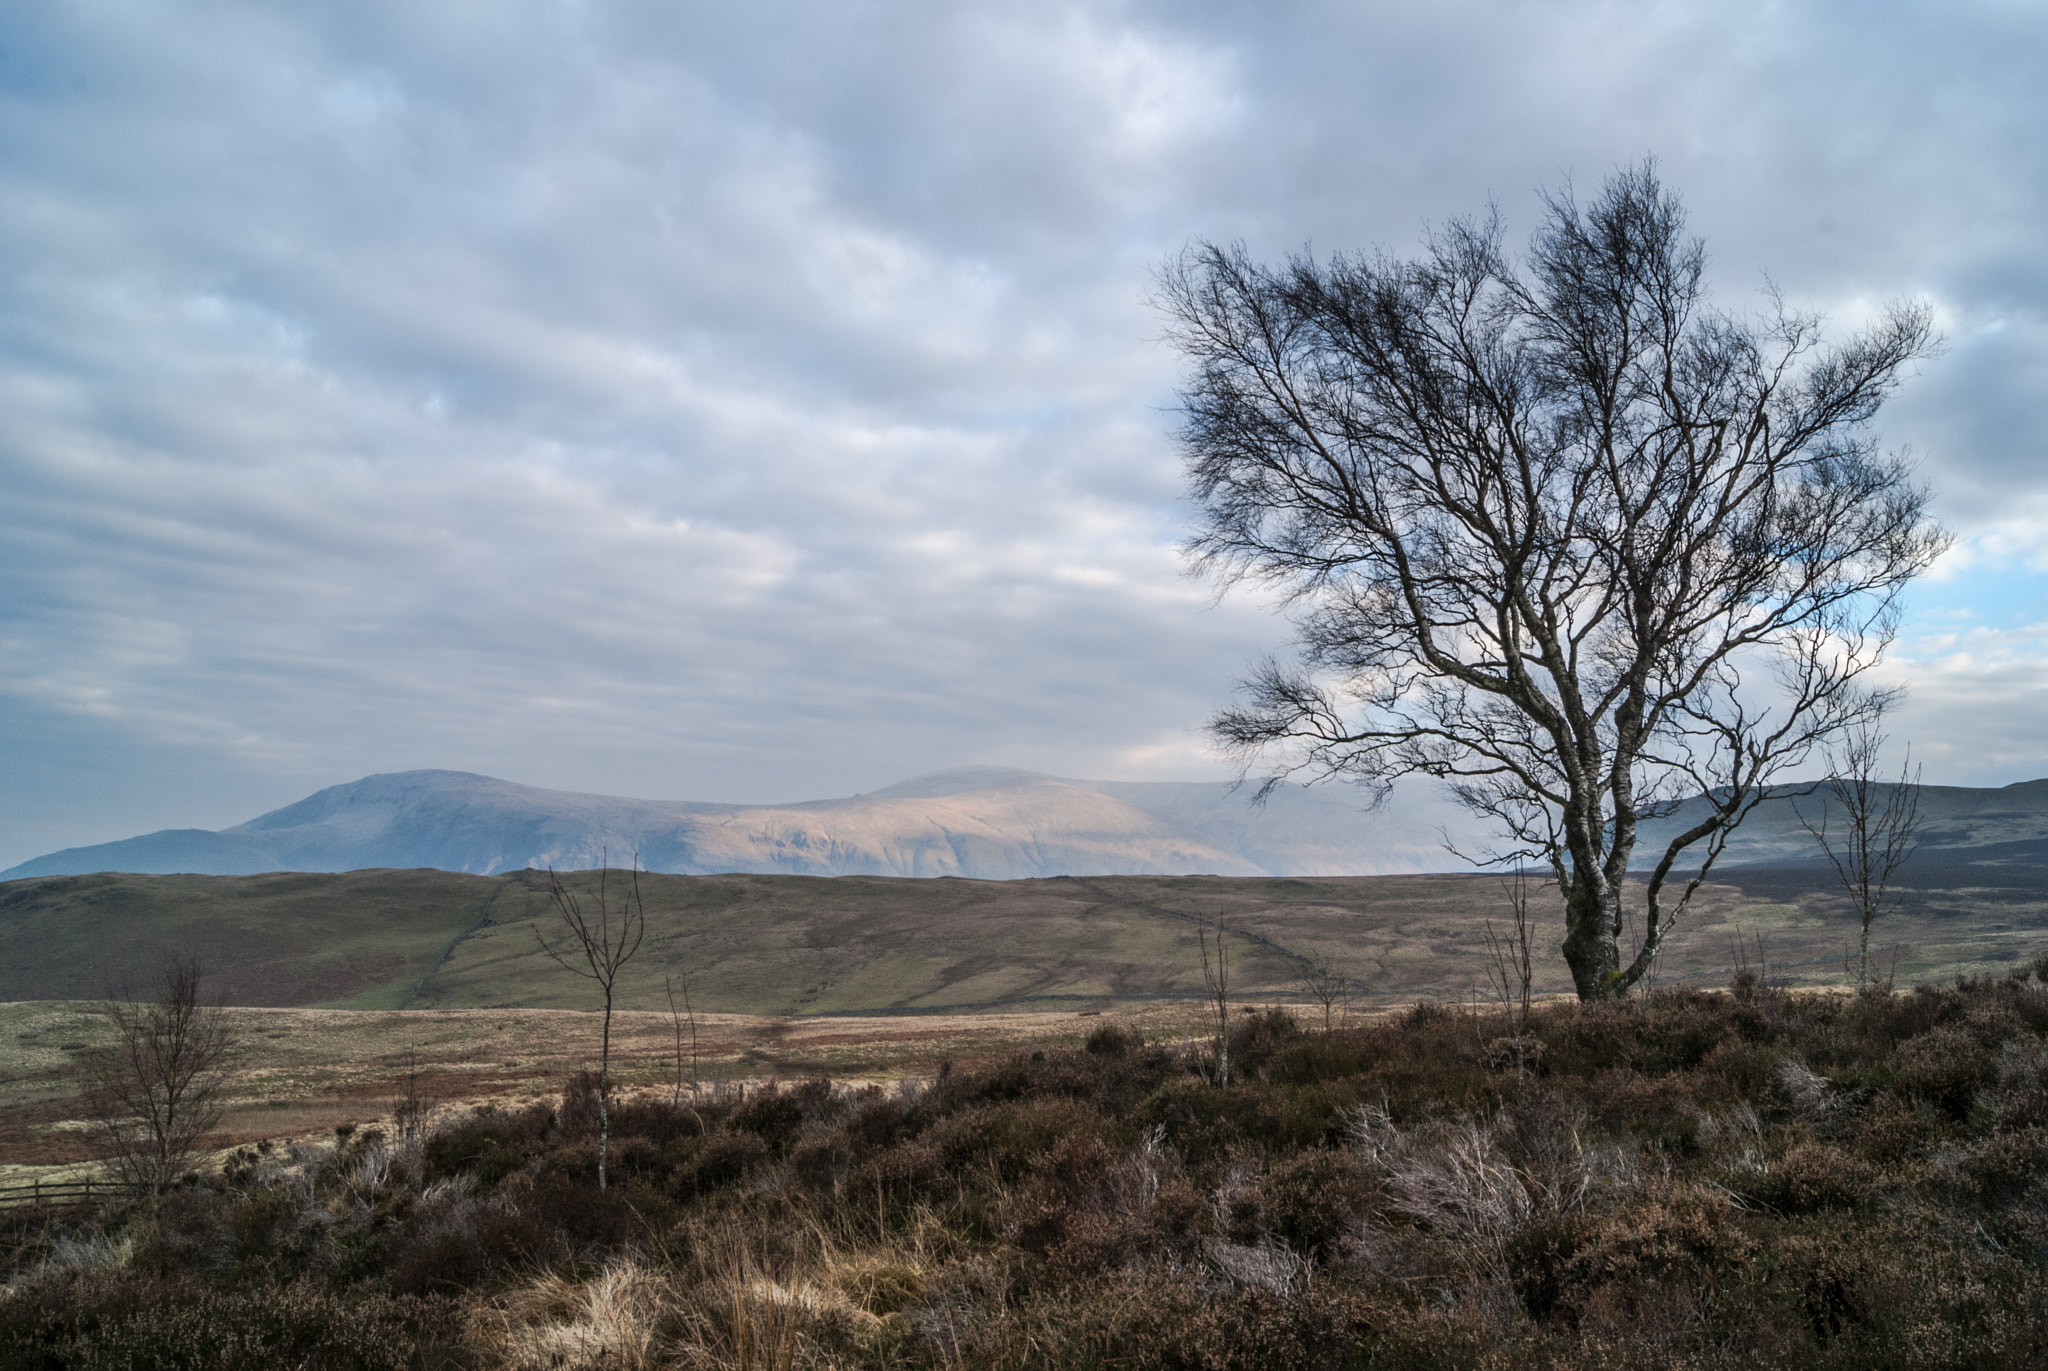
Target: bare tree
x,y
1877,830
161,1086
605,937
1511,969
409,1110
1553,531
1325,987
677,1018
1216,979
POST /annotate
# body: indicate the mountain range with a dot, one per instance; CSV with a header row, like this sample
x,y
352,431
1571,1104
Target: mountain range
x,y
990,823
985,822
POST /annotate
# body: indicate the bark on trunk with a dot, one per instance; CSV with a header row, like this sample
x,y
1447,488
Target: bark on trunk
x,y
1590,946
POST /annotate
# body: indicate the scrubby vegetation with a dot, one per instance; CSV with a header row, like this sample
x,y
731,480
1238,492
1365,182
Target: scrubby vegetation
x,y
1690,1179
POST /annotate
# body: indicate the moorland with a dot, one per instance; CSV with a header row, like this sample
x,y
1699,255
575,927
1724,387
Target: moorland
x,y
969,1123
1750,1176
792,945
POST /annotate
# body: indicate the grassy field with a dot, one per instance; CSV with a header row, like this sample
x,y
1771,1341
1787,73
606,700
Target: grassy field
x,y
799,946
360,939
303,1071
337,977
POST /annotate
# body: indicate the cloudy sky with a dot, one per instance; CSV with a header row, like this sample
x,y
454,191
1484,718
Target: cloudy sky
x,y
760,402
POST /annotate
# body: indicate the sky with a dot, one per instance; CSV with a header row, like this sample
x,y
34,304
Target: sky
x,y
763,402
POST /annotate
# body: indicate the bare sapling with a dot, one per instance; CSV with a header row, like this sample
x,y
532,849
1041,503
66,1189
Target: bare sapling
x,y
1867,829
1511,969
409,1110
604,937
1326,988
1216,977
161,1086
1752,978
679,1018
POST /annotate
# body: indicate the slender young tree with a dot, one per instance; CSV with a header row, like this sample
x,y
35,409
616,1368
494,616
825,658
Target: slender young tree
x,y
1867,828
1553,531
602,939
1326,987
1216,980
161,1086
1511,969
678,1017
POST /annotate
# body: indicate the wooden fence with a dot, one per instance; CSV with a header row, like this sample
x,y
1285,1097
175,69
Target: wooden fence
x,y
63,1192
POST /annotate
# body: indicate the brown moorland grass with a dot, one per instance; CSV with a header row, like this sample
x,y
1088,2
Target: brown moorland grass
x,y
1685,1180
303,1071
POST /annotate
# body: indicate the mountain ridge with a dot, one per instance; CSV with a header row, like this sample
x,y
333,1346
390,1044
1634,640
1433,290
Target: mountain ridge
x,y
982,822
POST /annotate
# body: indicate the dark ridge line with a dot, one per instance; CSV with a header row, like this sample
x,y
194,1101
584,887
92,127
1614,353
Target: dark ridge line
x,y
1301,959
970,1006
483,918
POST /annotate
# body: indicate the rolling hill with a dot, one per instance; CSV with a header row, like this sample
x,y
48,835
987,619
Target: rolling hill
x,y
985,823
803,945
982,823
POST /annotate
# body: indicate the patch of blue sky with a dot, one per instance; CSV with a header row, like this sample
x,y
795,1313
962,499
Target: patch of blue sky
x,y
1997,594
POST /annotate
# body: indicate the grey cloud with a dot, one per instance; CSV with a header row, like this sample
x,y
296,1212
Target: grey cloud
x,y
756,402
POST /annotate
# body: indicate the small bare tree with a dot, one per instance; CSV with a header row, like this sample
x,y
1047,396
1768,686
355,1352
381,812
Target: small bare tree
x,y
1216,977
1325,987
161,1086
409,1110
1878,828
678,1017
604,937
1511,968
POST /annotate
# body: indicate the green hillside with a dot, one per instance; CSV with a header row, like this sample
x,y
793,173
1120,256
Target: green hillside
x,y
758,944
359,940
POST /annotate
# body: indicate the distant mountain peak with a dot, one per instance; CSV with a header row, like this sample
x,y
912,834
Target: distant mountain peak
x,y
988,822
960,780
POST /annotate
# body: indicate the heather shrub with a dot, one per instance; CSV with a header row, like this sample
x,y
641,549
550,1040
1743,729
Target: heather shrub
x,y
1256,1039
1946,1066
128,1321
488,1145
773,1115
1894,1128
1740,1067
1313,1199
2022,1086
717,1161
1814,1176
1112,1040
2004,1167
457,1242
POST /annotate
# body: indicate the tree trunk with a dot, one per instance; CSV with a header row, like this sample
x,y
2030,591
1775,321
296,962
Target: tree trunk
x,y
604,1090
1590,950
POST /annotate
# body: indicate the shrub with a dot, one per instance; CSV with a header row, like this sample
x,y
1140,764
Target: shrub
x,y
1113,1040
126,1321
488,1145
2005,1166
1313,1199
1815,1176
1946,1066
1894,1127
